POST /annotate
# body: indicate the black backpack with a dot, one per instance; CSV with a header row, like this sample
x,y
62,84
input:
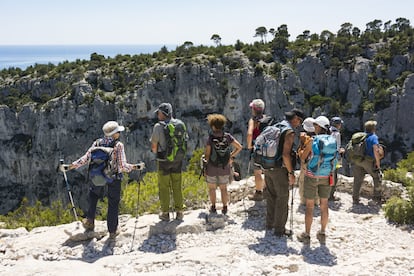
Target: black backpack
x,y
101,168
265,121
220,150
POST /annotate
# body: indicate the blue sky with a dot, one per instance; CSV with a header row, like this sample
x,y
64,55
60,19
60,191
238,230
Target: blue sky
x,y
176,21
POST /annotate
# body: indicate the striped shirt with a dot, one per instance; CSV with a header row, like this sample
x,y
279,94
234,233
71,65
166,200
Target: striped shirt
x,y
118,156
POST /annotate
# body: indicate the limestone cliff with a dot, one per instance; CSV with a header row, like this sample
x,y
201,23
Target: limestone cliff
x,y
35,137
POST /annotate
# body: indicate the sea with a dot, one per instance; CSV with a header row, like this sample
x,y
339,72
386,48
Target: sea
x,y
22,56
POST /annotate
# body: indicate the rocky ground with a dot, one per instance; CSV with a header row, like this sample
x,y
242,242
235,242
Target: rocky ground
x,y
360,242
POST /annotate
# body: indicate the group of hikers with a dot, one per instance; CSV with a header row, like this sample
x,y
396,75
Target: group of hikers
x,y
274,148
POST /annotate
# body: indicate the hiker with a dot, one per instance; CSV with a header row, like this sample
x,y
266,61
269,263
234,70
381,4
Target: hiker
x,y
336,125
112,131
279,178
318,176
255,127
169,171
305,145
370,164
221,148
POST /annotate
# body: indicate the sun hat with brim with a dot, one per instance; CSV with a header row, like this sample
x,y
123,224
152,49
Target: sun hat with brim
x,y
112,127
295,112
323,122
257,104
165,108
308,124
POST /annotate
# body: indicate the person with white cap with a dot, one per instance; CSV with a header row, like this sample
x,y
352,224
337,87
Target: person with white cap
x,y
256,125
304,150
112,131
317,177
336,125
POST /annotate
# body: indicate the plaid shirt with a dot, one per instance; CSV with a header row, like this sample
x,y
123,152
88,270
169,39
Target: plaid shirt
x,y
118,156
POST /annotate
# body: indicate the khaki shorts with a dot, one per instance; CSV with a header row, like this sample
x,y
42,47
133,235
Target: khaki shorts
x,y
316,186
218,180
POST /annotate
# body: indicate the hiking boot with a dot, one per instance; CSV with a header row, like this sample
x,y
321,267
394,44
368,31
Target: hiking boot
x,y
304,238
113,235
355,201
213,209
321,236
179,215
224,210
164,216
257,196
88,224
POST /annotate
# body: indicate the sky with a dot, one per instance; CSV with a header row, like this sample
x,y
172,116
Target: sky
x,y
162,22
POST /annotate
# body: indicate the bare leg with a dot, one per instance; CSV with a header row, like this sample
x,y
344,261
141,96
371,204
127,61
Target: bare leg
x,y
324,214
310,203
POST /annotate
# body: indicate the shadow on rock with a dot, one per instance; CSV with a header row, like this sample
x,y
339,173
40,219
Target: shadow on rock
x,y
319,256
161,237
272,245
256,216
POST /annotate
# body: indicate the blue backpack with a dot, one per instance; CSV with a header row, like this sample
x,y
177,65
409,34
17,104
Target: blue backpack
x,y
323,160
101,169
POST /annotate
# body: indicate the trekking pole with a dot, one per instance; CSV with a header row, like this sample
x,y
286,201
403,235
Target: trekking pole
x,y
140,178
69,191
291,213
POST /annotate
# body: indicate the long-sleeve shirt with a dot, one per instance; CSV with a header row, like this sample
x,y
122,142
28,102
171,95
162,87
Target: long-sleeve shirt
x,y
118,156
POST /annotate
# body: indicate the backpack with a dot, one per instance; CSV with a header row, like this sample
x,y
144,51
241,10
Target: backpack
x,y
324,158
101,168
266,150
265,121
176,140
220,150
355,149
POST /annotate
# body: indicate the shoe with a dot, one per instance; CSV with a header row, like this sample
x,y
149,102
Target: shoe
x,y
88,224
257,196
164,216
378,199
224,210
113,235
304,237
321,237
287,233
334,198
355,201
213,209
179,215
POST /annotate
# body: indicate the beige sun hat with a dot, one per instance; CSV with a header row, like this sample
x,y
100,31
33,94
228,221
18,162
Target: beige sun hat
x,y
112,127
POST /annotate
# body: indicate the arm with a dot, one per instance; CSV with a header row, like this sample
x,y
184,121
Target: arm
x,y
377,156
123,165
250,134
287,161
154,147
237,148
304,152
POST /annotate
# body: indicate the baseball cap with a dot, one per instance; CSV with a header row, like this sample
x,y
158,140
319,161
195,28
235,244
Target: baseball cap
x,y
308,124
323,122
336,120
165,108
257,104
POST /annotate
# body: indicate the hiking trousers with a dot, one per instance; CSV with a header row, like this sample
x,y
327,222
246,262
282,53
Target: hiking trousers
x,y
277,197
359,170
169,181
114,196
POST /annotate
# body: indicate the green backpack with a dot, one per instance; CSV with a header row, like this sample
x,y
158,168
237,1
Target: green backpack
x,y
176,137
355,149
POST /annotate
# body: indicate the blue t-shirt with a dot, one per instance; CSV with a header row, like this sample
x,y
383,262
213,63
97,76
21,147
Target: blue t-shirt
x,y
372,139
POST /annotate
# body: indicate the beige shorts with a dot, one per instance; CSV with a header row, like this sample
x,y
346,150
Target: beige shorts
x,y
316,186
218,180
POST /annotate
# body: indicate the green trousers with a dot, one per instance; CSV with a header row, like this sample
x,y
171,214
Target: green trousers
x,y
170,183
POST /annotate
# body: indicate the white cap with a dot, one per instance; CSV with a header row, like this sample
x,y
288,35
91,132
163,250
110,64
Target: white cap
x,y
323,122
257,104
112,127
308,124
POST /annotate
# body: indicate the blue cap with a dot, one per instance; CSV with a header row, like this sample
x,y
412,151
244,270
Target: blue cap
x,y
336,120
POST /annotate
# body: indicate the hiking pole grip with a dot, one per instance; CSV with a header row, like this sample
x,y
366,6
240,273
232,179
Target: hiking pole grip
x,y
69,190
